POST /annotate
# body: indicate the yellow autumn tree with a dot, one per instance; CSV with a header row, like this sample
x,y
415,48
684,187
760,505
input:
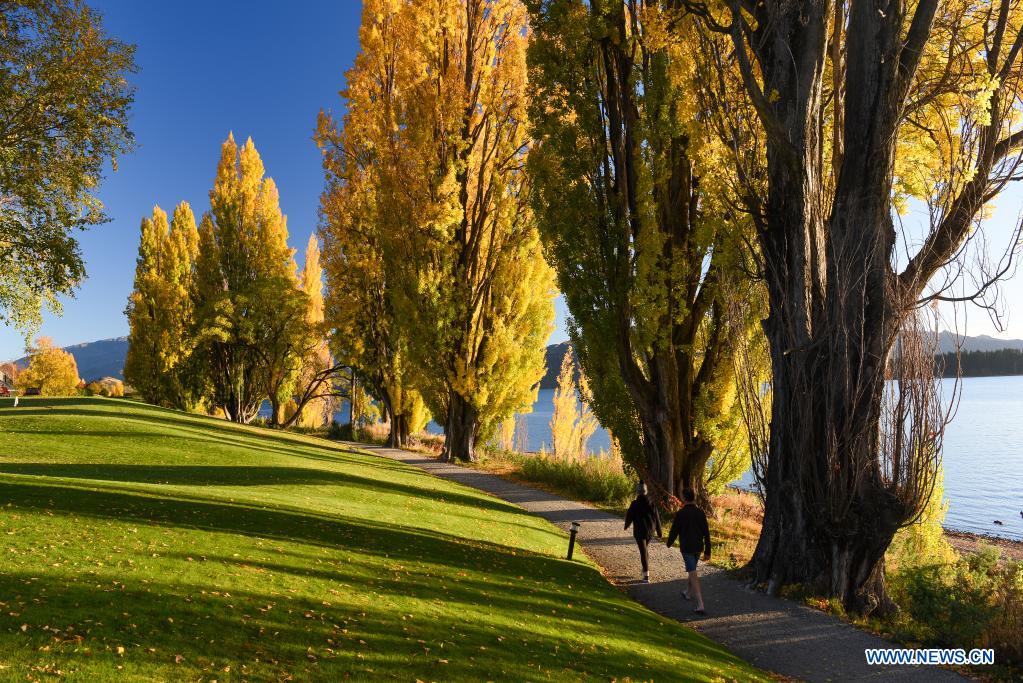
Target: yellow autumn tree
x,y
635,205
51,370
428,181
359,303
250,312
160,311
438,92
316,396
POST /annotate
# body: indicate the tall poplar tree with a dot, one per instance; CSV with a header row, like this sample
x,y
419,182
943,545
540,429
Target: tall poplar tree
x,y
359,306
444,88
320,381
248,305
635,211
160,311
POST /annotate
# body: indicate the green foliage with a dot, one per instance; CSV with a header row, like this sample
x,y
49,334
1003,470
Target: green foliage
x,y
147,544
64,104
951,604
974,600
596,479
633,208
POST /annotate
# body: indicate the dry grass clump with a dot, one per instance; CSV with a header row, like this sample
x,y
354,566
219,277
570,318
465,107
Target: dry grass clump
x,y
736,527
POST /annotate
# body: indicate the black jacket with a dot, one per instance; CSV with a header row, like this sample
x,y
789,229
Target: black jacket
x,y
643,518
691,530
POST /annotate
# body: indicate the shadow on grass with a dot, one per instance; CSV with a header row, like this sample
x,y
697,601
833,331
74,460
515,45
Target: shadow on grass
x,y
394,570
513,573
340,532
229,475
303,638
144,412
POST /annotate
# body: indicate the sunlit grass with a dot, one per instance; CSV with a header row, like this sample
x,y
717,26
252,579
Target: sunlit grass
x,y
146,544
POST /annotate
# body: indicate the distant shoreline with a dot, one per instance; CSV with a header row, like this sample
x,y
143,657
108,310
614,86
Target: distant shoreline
x,y
970,542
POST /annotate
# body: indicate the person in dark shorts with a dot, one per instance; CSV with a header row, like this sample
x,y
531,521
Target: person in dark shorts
x,y
693,534
644,520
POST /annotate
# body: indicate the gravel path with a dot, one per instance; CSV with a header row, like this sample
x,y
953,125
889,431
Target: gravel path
x,y
774,634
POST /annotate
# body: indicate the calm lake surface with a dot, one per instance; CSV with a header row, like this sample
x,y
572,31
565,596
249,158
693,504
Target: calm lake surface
x,y
983,456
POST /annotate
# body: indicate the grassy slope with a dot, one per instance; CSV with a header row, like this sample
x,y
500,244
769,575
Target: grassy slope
x,y
146,544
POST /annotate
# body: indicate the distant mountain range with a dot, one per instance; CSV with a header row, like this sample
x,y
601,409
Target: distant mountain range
x,y
105,358
983,342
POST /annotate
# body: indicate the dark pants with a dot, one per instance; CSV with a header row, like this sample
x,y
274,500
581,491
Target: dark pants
x,y
642,543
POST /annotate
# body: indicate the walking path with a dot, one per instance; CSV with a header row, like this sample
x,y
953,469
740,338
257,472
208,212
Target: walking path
x,y
774,634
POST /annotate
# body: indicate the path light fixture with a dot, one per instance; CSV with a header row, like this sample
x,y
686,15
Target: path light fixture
x,y
571,538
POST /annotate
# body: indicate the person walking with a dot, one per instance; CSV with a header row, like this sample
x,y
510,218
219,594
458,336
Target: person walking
x,y
644,520
693,534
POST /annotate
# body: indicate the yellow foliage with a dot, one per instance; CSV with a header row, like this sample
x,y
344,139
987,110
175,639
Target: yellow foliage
x,y
572,423
51,370
432,258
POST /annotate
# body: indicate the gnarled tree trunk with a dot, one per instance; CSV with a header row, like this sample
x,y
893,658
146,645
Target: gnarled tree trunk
x,y
460,430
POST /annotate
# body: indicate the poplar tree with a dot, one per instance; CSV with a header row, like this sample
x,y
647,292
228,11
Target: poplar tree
x,y
636,214
321,381
248,306
160,311
359,305
439,95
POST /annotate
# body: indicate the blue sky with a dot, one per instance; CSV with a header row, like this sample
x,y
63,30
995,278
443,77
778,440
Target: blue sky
x,y
260,69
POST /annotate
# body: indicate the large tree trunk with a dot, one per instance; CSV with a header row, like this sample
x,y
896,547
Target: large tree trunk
x,y
675,463
830,513
397,436
460,430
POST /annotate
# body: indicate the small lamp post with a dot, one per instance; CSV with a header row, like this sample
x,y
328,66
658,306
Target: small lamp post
x,y
571,538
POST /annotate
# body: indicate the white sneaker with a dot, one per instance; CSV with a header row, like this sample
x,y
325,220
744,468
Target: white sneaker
x,y
646,577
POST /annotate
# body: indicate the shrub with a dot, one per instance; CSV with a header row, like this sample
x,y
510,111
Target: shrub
x,y
1005,632
923,542
595,479
950,604
337,432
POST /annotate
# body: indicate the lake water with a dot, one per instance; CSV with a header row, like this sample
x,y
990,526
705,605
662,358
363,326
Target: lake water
x,y
983,456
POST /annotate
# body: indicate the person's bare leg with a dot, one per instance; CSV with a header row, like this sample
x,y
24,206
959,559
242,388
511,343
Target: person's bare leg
x,y
694,584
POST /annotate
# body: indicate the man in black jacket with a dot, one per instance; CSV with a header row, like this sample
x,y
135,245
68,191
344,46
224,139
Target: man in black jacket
x,y
643,518
690,527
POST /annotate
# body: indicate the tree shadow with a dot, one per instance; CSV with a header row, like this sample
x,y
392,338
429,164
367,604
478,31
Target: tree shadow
x,y
230,475
331,531
198,428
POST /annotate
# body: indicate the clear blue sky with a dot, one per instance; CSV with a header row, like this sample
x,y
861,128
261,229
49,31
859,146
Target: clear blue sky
x,y
261,69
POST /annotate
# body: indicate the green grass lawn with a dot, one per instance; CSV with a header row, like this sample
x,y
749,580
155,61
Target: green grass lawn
x,y
146,544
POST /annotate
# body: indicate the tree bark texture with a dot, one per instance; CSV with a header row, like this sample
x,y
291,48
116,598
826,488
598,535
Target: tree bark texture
x,y
460,430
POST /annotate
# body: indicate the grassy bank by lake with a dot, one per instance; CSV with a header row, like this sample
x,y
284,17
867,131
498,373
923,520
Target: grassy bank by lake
x,y
147,544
